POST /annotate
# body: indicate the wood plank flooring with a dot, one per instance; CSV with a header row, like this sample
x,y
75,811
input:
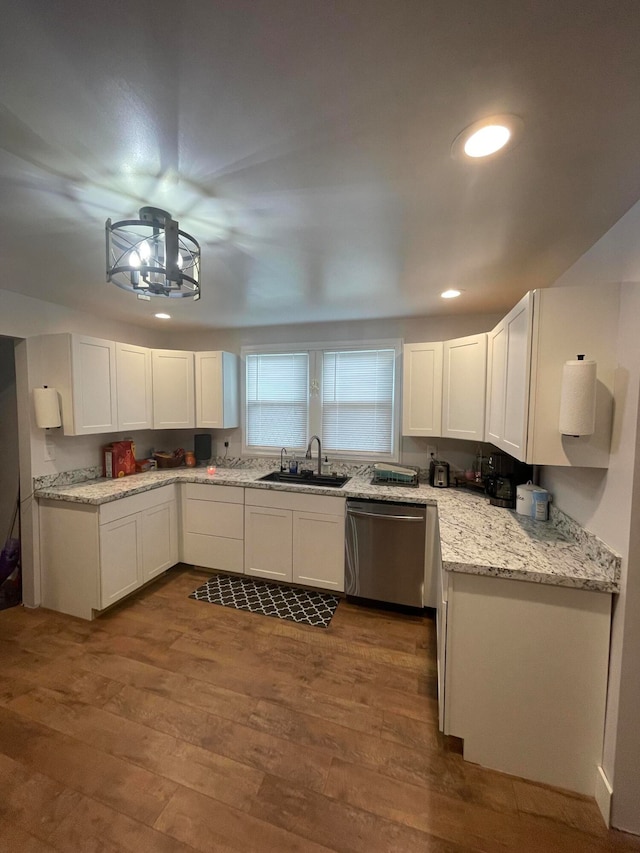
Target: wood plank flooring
x,y
170,724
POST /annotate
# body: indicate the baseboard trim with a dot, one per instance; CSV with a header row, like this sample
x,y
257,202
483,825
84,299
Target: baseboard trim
x,y
603,794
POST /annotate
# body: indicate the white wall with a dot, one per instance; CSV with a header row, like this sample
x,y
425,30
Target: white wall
x,y
22,316
410,329
608,504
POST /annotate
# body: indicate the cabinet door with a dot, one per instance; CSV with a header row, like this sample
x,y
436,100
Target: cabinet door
x,y
173,389
159,540
422,389
518,369
318,550
496,367
508,380
133,370
216,390
464,387
267,543
93,378
120,558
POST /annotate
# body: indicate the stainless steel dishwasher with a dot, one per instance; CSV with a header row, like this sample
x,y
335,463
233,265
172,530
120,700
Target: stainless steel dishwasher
x,y
385,551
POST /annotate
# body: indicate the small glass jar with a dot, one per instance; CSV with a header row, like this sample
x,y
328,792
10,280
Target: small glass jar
x,y
190,459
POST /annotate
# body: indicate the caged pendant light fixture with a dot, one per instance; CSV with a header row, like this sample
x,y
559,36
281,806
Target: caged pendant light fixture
x,y
150,256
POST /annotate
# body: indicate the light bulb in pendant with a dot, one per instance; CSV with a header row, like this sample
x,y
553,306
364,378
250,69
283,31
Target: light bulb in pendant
x,y
134,261
145,252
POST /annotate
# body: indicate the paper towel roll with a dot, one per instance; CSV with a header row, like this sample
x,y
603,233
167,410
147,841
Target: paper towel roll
x,y
45,401
578,398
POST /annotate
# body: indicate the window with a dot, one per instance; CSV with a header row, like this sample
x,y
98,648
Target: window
x,y
344,394
277,400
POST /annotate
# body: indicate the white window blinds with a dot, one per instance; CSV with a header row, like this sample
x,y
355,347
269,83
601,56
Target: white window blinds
x,y
357,400
277,407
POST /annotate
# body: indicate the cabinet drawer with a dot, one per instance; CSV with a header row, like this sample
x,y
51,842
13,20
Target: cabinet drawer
x,y
214,519
213,552
206,492
326,504
136,503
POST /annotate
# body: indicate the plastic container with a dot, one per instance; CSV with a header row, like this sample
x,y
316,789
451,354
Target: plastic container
x,y
532,501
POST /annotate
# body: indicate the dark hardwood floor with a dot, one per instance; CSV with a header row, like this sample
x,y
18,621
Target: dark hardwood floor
x,y
174,725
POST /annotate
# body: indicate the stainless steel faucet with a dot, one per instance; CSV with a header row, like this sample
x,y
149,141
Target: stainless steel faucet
x,y
282,453
308,453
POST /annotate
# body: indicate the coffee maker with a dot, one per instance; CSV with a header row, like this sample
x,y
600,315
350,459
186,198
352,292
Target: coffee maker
x,y
504,474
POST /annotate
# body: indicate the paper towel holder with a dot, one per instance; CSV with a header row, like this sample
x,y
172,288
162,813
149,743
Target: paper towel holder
x,y
47,407
580,422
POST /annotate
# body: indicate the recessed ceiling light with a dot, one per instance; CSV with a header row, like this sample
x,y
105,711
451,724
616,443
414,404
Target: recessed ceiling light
x,y
488,136
163,316
450,294
487,140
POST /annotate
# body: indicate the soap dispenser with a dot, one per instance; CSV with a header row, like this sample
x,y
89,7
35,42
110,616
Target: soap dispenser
x,y
326,466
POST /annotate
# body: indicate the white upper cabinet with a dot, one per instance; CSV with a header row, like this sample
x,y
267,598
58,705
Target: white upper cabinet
x,y
173,389
526,356
509,360
568,321
463,387
217,390
83,370
133,371
422,389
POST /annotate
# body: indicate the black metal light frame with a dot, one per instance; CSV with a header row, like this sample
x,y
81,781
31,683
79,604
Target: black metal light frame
x,y
151,256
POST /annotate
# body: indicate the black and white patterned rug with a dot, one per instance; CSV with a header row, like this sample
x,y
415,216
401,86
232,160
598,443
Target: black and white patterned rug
x,y
270,599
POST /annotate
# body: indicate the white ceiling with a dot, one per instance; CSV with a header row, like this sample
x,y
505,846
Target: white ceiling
x,y
306,144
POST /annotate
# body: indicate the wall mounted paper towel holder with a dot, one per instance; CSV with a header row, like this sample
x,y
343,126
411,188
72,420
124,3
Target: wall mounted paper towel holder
x,y
578,398
47,408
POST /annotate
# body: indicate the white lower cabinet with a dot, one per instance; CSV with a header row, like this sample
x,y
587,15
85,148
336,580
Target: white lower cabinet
x,y
318,550
159,540
213,526
525,676
120,558
267,545
295,537
135,549
93,556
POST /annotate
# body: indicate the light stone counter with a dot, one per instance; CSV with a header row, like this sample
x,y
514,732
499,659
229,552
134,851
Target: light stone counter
x,y
476,538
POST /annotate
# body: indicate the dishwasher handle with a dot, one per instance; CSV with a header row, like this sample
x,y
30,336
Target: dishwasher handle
x,y
381,516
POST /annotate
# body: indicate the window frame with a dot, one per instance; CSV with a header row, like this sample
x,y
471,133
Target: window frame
x,y
315,352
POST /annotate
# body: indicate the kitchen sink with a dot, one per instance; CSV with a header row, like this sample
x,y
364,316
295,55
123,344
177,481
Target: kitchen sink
x,y
305,479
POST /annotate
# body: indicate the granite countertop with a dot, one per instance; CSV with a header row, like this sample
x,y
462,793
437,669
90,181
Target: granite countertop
x,y
476,538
